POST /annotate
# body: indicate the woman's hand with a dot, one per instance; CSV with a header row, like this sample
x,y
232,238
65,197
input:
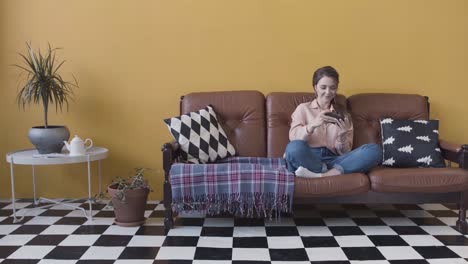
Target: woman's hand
x,y
329,117
322,118
345,126
317,122
310,127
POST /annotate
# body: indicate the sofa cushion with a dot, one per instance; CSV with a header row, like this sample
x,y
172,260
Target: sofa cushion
x,y
240,113
422,180
279,107
367,109
411,143
345,184
200,136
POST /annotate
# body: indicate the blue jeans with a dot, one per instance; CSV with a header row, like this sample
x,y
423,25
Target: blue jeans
x,y
362,159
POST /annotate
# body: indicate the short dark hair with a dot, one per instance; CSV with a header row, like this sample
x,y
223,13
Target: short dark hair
x,y
328,71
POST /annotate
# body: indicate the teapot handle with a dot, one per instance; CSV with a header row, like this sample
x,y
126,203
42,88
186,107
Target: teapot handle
x,y
90,143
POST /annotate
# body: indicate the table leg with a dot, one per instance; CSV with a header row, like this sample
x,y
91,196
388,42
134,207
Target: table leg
x,y
13,198
89,190
100,177
34,184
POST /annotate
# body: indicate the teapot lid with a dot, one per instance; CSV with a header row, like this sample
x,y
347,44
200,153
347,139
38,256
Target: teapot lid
x,y
76,139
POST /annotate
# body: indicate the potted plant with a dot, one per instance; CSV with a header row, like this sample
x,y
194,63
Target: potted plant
x,y
128,197
45,85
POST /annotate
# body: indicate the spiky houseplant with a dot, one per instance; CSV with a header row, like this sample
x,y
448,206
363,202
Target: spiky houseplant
x,y
136,180
129,196
44,85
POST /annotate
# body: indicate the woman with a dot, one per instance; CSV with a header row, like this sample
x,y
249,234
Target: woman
x,y
320,145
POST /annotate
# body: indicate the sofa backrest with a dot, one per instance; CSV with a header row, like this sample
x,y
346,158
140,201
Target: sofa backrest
x,y
259,127
367,109
240,113
279,108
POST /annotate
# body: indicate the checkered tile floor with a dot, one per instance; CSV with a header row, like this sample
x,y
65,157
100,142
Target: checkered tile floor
x,y
323,234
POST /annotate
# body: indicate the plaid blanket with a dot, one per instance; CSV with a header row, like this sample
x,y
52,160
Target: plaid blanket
x,y
242,186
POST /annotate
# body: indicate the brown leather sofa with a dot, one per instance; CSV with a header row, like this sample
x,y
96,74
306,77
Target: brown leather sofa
x,y
258,126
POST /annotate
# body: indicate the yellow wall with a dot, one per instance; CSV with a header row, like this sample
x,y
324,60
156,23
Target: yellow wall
x,y
133,60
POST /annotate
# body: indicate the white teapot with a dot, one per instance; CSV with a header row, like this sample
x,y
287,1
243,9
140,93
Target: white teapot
x,y
77,146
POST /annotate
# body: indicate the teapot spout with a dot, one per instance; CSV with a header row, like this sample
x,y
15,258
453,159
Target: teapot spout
x,y
67,145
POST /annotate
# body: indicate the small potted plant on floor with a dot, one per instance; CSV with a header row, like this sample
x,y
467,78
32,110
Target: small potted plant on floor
x,y
128,197
43,84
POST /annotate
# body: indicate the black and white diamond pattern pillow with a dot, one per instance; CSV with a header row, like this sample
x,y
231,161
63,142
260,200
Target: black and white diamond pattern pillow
x,y
411,143
200,136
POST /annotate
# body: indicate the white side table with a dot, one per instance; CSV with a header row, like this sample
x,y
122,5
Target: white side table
x,y
33,158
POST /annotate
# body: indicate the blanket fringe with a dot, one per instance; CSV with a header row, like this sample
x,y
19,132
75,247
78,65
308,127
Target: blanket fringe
x,y
261,205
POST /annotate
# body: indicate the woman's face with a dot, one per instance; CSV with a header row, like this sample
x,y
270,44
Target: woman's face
x,y
326,89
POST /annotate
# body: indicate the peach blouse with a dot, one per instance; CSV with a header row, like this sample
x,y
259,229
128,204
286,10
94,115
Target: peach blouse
x,y
325,135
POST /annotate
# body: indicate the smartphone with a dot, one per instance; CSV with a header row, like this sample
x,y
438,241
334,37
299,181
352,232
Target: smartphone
x,y
335,115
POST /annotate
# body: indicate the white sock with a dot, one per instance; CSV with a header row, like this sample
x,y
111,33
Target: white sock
x,y
303,172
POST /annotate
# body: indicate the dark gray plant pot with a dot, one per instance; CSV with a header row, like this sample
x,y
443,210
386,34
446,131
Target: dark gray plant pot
x,y
50,139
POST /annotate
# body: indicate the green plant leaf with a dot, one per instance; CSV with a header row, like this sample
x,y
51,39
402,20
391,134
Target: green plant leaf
x,y
43,82
136,180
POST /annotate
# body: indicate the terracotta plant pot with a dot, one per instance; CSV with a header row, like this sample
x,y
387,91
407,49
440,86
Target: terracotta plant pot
x,y
132,211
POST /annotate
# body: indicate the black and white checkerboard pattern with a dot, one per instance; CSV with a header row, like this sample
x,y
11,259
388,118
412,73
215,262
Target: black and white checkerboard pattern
x,y
322,234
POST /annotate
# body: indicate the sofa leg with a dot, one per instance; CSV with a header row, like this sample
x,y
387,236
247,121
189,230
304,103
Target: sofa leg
x,y
462,225
168,218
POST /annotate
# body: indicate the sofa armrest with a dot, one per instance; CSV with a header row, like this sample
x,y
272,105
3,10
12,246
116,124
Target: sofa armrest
x,y
170,154
449,150
455,152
